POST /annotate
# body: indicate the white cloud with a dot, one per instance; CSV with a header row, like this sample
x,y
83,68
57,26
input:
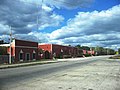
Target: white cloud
x,y
40,37
87,28
91,27
53,21
4,28
22,16
46,8
68,4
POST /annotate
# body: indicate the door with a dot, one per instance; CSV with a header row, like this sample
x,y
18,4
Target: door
x,y
47,55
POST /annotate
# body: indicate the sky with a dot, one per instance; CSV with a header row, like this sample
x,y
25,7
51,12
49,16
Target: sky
x,y
64,22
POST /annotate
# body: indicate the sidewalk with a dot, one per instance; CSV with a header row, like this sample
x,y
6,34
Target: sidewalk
x,y
26,64
43,62
5,66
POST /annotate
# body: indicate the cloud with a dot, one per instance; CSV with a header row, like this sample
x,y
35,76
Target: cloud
x,y
40,37
86,23
105,40
69,4
53,21
3,28
91,28
22,16
86,28
46,8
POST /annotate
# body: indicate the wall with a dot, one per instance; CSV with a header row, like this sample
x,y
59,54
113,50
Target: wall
x,y
26,47
25,51
46,48
59,51
4,59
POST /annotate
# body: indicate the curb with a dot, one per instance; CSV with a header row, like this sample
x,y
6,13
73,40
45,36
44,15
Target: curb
x,y
26,64
37,63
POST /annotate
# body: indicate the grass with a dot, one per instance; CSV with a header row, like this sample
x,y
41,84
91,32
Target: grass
x,y
115,57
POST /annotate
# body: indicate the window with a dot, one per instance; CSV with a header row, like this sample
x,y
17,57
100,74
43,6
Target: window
x,y
27,56
21,56
34,56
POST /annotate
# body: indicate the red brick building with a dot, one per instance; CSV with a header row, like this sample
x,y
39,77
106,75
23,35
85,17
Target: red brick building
x,y
91,52
24,50
58,51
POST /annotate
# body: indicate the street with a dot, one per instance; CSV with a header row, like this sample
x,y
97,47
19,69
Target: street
x,y
94,73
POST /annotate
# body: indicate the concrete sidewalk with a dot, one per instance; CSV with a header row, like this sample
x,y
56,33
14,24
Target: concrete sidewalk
x,y
26,64
4,66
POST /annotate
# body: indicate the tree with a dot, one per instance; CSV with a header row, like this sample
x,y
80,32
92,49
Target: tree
x,y
85,48
100,50
112,52
3,50
1,41
78,46
119,50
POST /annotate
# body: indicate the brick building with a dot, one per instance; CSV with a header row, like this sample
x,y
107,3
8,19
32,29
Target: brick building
x,y
22,50
59,51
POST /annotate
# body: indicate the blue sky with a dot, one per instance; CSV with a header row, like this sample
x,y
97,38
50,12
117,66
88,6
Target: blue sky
x,y
98,5
84,22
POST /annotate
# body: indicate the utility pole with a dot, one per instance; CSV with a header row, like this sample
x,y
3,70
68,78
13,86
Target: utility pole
x,y
10,44
38,13
37,18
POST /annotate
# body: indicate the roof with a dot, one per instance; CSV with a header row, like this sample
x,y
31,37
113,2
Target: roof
x,y
56,44
26,40
4,45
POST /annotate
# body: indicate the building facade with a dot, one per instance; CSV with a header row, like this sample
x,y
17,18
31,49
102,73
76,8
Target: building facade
x,y
22,50
59,51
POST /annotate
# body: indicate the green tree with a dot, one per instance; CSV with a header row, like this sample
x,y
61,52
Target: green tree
x,y
69,45
78,46
1,41
3,50
85,47
119,50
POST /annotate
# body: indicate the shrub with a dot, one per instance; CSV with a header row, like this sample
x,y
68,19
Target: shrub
x,y
87,55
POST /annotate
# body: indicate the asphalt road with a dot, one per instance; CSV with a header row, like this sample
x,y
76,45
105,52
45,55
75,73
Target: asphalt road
x,y
12,76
